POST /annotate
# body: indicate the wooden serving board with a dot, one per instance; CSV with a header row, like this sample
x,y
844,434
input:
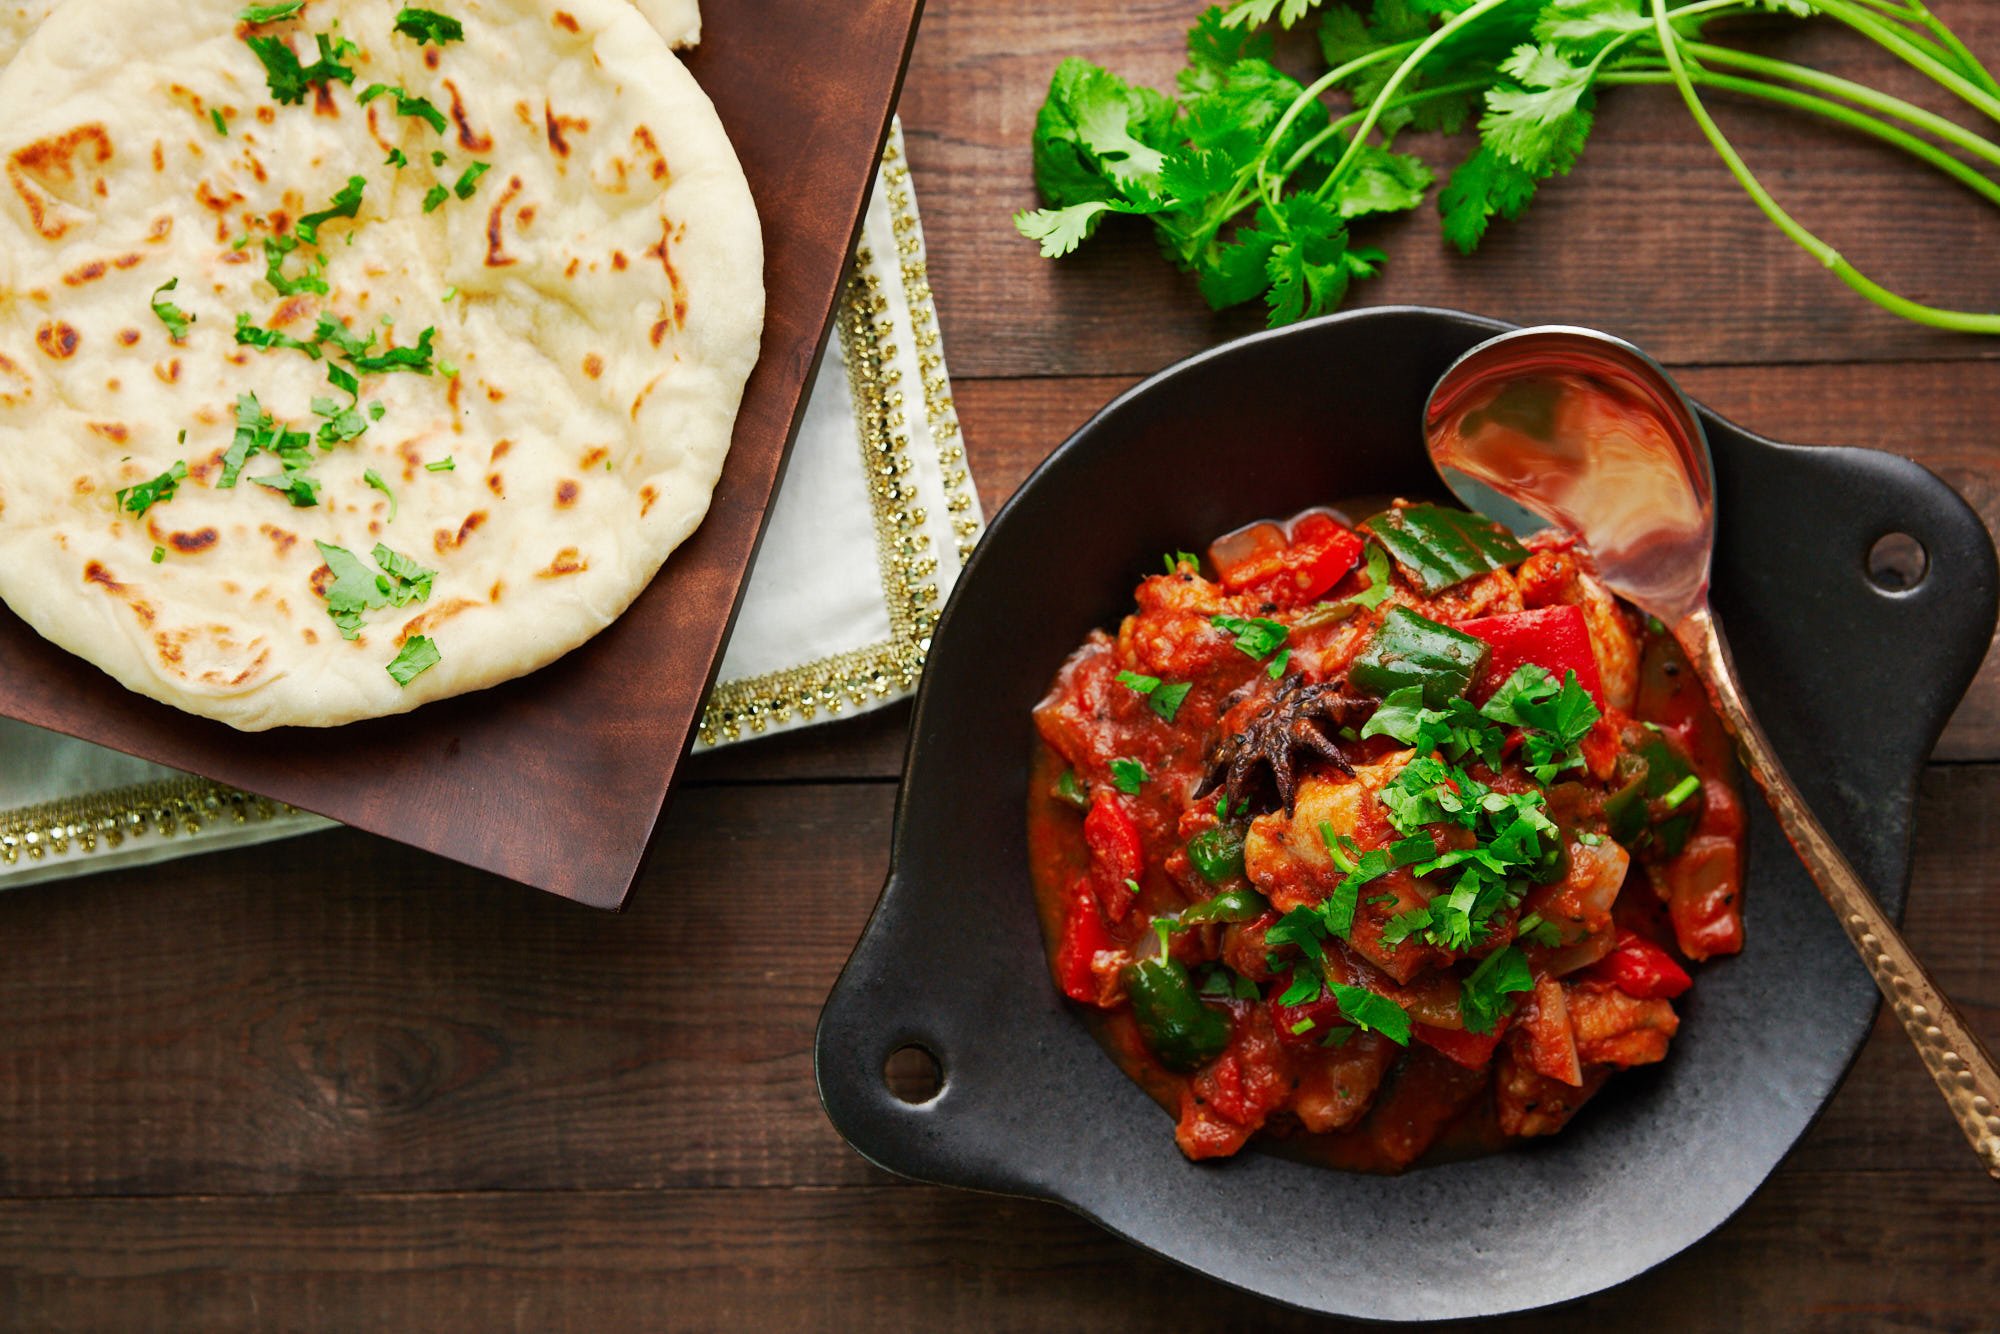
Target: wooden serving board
x,y
557,780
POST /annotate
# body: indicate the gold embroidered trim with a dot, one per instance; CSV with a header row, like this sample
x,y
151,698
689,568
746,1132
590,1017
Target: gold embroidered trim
x,y
167,808
867,343
938,404
867,332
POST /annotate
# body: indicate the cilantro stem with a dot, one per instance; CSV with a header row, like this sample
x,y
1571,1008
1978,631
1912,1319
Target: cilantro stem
x,y
1438,36
1847,117
1311,146
1311,94
1949,131
1900,43
1966,321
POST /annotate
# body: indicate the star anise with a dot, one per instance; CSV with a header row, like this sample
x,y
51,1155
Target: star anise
x,y
1298,723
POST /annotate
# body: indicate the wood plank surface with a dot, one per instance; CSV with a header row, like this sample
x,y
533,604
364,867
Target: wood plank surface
x,y
336,1084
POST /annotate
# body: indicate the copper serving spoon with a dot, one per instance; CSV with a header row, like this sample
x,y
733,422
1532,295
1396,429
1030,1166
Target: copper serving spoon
x,y
1568,426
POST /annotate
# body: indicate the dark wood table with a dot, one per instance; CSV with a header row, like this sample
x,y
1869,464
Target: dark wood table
x,y
336,1084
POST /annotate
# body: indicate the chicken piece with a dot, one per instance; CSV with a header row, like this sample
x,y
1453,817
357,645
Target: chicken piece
x,y
1492,594
1529,1103
1336,1085
1613,1028
1286,857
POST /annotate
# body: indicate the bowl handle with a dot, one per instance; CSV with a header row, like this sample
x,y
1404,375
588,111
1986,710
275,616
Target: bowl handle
x,y
874,1013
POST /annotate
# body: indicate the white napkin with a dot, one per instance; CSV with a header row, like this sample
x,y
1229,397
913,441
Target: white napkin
x,y
867,534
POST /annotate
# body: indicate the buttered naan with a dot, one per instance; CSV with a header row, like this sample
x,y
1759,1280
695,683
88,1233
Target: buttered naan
x,y
358,354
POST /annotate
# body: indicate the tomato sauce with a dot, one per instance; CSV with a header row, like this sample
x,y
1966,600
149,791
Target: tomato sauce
x,y
1369,1046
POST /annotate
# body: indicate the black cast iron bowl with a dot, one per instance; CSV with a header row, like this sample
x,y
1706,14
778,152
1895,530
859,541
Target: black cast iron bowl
x,y
1852,682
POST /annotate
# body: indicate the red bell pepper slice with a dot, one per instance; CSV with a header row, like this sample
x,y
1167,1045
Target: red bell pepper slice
x,y
1556,638
1117,855
1306,1025
1641,969
1083,936
1471,1050
1312,558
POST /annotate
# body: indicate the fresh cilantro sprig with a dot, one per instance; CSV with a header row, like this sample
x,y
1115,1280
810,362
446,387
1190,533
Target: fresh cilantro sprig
x,y
407,104
1251,180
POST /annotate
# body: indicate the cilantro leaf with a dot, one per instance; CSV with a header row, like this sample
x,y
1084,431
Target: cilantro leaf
x,y
417,359
468,180
374,479
1128,776
428,26
434,197
1382,182
284,9
407,104
1488,184
1373,1013
171,315
289,80
143,496
1098,138
276,249
346,203
1257,636
249,334
1483,994
1557,717
1542,123
407,581
419,655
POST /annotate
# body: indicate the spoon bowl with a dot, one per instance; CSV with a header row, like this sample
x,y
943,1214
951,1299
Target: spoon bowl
x,y
1564,426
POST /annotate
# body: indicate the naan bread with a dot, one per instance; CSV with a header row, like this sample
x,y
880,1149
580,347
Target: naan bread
x,y
598,295
679,21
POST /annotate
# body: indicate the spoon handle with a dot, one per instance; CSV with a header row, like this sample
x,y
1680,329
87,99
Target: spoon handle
x,y
1956,1058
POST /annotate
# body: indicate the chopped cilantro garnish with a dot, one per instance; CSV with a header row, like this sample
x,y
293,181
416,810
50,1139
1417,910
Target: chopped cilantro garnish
x,y
419,655
1278,664
283,9
415,359
288,79
407,104
1455,731
1380,582
1373,1013
442,465
276,248
342,378
1162,697
1483,996
468,180
342,422
434,197
1166,701
1128,776
142,497
221,125
374,479
354,590
251,335
1175,559
407,581
1258,637
301,490
396,158
437,157
1557,718
429,26
346,203
1536,930
171,315
159,555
